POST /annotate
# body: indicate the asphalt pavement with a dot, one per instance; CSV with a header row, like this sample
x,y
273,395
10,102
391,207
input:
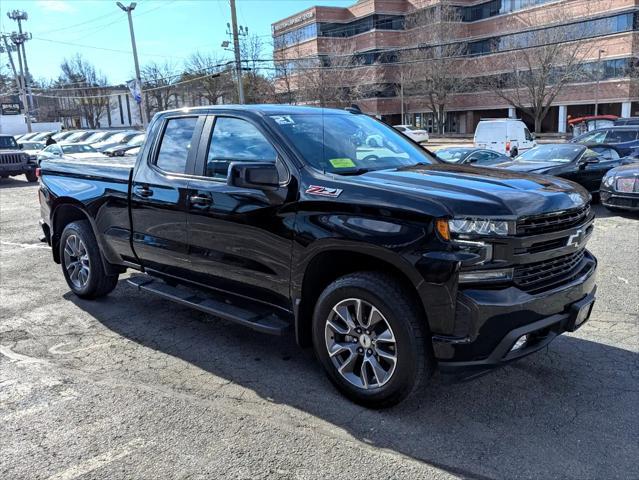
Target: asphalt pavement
x,y
132,386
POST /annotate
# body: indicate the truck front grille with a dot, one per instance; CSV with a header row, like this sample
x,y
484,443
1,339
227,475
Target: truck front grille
x,y
552,222
11,159
539,276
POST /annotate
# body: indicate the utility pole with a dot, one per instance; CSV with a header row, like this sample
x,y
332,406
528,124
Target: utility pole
x,y
18,16
236,48
599,75
9,48
18,39
138,79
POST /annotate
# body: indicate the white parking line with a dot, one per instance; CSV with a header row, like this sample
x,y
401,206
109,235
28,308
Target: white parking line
x,y
25,245
57,349
99,461
18,357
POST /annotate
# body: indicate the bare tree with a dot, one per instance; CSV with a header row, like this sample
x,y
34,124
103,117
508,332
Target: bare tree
x,y
434,68
215,78
86,89
547,60
258,88
159,81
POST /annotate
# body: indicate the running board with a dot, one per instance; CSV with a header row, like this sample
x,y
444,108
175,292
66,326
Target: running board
x,y
250,314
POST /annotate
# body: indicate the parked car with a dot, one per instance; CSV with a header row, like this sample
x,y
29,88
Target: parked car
x,y
620,188
624,138
79,137
32,149
467,155
100,136
507,136
127,148
62,136
118,139
13,161
276,222
571,161
69,150
26,136
581,125
417,134
627,121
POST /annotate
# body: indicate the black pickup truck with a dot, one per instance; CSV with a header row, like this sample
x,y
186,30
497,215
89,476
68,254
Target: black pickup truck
x,y
389,262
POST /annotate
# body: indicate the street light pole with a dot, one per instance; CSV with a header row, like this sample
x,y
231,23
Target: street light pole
x,y
138,79
597,85
17,40
236,48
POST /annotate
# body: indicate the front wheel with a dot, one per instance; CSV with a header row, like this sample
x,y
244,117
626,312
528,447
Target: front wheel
x,y
370,339
31,176
81,261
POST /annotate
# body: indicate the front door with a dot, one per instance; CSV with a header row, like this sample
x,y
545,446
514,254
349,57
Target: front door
x,y
159,195
239,238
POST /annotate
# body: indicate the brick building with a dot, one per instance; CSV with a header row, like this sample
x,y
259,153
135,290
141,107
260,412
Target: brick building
x,y
376,32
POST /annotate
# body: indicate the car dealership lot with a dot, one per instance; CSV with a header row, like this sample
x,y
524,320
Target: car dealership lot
x,y
132,386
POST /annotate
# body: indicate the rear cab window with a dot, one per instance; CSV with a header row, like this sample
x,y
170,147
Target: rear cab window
x,y
175,145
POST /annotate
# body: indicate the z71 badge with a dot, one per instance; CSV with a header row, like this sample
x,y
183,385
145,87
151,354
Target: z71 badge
x,y
323,191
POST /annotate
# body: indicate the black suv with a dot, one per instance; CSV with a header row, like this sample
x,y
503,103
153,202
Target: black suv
x,y
625,138
13,161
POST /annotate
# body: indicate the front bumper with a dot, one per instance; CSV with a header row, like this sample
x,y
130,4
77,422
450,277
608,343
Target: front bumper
x,y
626,201
12,170
496,319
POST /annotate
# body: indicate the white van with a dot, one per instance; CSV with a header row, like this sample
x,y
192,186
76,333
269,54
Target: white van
x,y
508,136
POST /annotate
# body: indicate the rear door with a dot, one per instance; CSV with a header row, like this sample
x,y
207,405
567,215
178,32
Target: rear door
x,y
159,194
239,239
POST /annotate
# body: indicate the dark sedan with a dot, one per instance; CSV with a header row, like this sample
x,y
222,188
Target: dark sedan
x,y
620,188
567,160
468,155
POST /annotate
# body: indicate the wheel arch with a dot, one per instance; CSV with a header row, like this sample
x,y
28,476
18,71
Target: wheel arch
x,y
328,264
66,211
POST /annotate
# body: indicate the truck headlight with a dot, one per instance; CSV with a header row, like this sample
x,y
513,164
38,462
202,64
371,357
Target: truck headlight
x,y
609,180
480,226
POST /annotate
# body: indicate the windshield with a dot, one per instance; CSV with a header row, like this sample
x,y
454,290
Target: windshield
x,y
551,153
78,148
137,140
32,145
8,142
347,144
97,136
452,155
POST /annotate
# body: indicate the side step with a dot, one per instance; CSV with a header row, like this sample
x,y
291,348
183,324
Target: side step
x,y
256,316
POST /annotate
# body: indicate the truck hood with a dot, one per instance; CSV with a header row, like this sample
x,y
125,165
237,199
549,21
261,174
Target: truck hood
x,y
460,190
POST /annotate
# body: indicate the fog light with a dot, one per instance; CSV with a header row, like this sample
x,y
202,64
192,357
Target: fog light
x,y
520,343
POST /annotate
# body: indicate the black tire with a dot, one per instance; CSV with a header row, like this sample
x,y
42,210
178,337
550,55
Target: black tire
x,y
414,359
98,283
31,176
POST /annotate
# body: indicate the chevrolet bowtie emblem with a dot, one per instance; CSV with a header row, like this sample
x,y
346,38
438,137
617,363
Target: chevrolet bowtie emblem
x,y
575,239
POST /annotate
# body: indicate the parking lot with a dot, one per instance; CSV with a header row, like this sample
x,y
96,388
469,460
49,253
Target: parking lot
x,y
132,386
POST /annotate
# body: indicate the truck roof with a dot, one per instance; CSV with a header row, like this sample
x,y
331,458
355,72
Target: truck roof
x,y
264,109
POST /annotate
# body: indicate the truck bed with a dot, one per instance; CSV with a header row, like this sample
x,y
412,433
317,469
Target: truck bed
x,y
111,169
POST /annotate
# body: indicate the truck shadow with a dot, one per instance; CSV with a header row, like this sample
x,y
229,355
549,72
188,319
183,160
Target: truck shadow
x,y
16,182
566,412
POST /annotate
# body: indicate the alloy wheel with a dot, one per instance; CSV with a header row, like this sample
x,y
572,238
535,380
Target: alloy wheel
x,y
76,261
361,344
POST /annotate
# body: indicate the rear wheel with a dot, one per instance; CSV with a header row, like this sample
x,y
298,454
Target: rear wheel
x,y
82,262
370,339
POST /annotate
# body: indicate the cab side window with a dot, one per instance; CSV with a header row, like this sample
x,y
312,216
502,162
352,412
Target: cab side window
x,y
620,136
236,140
176,144
529,137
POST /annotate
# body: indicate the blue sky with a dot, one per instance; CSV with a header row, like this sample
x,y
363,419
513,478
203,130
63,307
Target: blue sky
x,y
165,30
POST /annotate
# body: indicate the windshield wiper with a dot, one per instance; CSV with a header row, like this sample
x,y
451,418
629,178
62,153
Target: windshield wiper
x,y
355,171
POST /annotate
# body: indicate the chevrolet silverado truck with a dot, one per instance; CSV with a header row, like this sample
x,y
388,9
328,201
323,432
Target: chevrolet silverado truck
x,y
390,263
13,161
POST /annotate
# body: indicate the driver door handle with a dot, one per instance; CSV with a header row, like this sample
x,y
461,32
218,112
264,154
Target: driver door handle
x,y
142,191
201,200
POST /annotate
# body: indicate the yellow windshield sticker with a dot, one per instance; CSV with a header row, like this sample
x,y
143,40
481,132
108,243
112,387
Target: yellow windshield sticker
x,y
342,162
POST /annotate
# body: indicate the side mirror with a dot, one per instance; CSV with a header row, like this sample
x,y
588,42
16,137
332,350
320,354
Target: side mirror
x,y
256,175
20,146
472,160
588,161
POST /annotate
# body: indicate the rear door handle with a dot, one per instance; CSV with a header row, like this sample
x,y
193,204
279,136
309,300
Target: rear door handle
x,y
201,200
142,191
